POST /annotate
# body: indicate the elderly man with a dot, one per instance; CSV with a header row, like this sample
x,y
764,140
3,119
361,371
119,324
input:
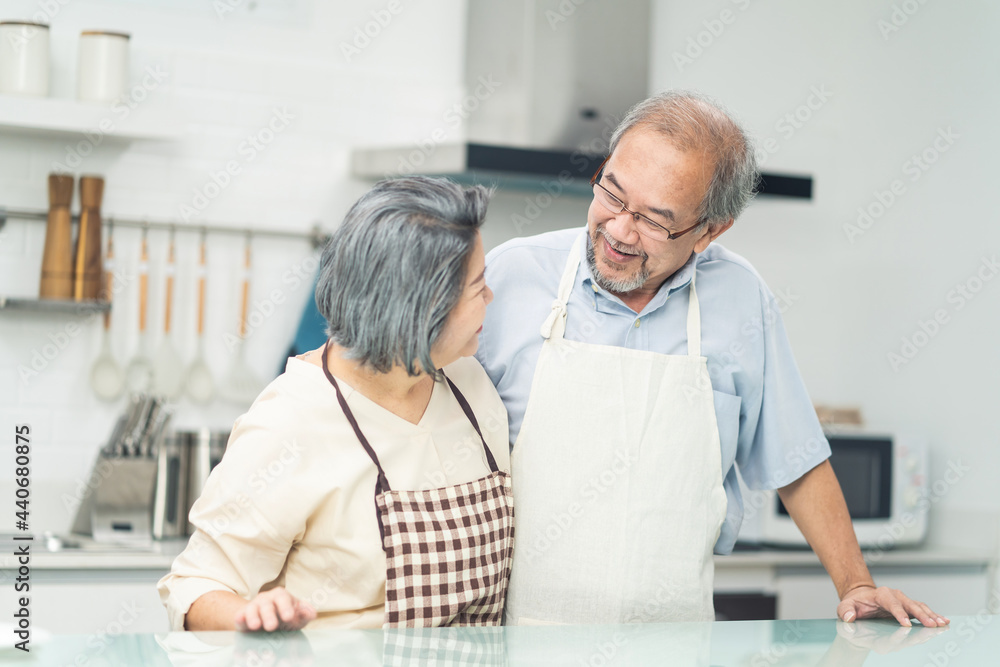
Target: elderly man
x,y
638,362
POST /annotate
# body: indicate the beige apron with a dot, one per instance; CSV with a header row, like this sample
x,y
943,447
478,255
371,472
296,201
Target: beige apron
x,y
617,481
447,550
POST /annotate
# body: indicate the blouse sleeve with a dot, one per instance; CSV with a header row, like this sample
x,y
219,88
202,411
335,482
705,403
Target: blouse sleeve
x,y
253,509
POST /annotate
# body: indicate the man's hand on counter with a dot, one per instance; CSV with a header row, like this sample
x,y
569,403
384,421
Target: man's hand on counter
x,y
816,504
884,602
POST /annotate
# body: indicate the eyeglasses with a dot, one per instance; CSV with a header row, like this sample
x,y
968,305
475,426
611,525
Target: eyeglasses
x,y
650,228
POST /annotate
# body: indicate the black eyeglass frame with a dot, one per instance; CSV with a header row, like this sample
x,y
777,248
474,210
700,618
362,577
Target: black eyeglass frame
x,y
595,180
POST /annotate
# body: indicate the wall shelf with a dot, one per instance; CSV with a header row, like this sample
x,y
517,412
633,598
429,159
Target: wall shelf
x,y
54,116
61,306
316,237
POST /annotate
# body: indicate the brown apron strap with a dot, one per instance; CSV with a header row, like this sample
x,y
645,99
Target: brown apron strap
x,y
472,418
382,484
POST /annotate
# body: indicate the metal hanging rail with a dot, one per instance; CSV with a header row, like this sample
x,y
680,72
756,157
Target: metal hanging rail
x,y
316,236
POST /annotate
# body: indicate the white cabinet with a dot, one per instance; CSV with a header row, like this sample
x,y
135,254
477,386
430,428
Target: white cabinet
x,y
951,582
106,603
952,591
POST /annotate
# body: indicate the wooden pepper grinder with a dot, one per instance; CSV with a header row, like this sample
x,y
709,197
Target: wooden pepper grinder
x,y
57,258
87,268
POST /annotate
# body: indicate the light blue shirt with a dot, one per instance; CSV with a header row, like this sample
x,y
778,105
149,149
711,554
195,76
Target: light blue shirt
x,y
767,424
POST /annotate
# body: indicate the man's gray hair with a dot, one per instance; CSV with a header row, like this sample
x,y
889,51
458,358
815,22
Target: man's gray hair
x,y
392,272
694,121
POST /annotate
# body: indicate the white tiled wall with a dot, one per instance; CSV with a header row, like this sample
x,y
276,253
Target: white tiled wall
x,y
226,77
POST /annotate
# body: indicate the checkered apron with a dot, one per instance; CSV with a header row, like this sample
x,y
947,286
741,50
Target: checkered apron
x,y
448,550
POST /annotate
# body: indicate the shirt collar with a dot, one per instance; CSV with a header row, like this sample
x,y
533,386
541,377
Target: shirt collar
x,y
604,301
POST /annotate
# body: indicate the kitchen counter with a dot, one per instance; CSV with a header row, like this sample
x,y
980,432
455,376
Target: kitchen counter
x,y
973,640
90,555
160,554
116,583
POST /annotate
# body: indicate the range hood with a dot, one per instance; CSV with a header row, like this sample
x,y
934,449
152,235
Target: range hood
x,y
547,82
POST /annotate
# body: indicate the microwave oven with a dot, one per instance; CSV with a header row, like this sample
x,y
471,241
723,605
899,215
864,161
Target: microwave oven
x,y
884,480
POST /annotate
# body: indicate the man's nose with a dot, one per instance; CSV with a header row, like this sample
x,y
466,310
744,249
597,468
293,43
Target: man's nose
x,y
623,228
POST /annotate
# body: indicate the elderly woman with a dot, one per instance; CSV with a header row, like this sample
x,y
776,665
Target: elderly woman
x,y
367,486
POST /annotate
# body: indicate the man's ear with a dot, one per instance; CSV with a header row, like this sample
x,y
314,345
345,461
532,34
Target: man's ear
x,y
712,233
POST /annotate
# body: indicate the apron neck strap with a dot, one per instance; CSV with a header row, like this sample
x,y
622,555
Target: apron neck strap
x,y
382,484
554,325
475,424
694,318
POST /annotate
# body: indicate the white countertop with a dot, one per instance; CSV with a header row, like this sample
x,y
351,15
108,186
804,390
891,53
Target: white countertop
x,y
929,555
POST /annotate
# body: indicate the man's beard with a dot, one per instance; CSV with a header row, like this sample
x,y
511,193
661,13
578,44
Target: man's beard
x,y
615,285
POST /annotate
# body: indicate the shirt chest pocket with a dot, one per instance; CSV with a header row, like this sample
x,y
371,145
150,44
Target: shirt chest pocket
x,y
727,415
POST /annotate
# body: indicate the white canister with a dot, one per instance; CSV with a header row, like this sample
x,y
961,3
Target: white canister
x,y
24,58
102,68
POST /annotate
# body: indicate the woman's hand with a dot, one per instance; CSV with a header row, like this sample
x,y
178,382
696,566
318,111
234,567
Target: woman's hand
x,y
276,609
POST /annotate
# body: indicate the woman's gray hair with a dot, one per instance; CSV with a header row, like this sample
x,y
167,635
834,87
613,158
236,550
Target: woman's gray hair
x,y
694,121
392,272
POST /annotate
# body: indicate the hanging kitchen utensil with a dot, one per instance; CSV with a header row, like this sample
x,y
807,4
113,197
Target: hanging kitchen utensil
x,y
242,384
199,384
106,376
168,372
139,374
57,258
87,265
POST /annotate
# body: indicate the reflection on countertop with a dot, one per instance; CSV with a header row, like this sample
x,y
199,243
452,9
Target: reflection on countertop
x,y
972,640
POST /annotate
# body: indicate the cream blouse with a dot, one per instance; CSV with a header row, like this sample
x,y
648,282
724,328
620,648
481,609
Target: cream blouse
x,y
292,502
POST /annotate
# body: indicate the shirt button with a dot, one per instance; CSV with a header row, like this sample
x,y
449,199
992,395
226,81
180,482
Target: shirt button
x,y
594,286
637,324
